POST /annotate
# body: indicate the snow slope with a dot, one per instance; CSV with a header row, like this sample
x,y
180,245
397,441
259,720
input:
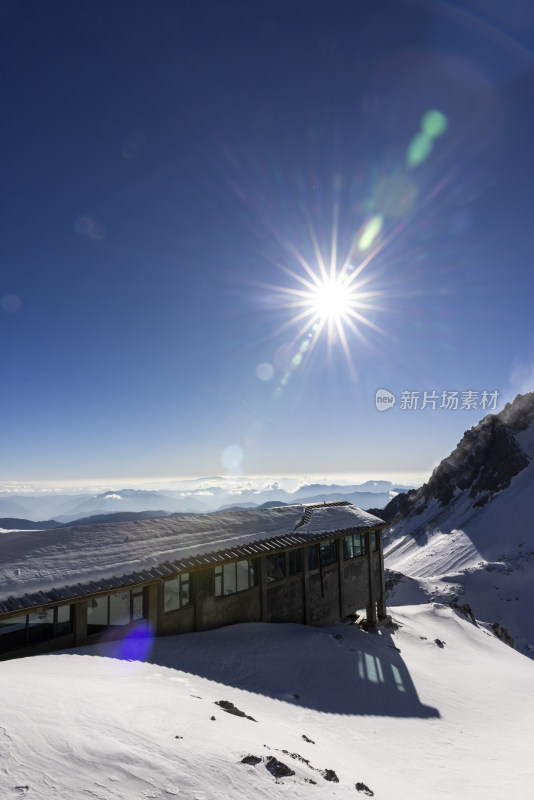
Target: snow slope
x,y
482,556
393,711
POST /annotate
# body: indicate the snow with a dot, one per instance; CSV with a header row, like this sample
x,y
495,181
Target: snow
x,y
484,556
38,561
391,709
325,519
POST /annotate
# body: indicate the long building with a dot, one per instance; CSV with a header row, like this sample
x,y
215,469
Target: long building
x,y
71,586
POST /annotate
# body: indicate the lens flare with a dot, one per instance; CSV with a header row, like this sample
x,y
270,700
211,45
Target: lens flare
x,y
330,298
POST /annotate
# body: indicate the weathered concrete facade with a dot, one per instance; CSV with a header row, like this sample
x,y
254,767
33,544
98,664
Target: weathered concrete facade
x,y
329,577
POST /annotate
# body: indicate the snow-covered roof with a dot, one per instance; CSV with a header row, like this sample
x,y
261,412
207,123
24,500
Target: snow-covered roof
x,y
39,567
332,519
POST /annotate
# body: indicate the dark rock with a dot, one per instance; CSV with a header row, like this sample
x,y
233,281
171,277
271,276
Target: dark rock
x,y
251,760
439,643
229,707
503,634
464,609
278,769
307,740
361,787
296,756
330,775
213,718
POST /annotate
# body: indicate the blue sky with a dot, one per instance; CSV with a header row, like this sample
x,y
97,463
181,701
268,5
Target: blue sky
x,y
170,171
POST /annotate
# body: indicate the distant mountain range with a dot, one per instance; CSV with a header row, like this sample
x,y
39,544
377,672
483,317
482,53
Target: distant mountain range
x,y
467,535
90,509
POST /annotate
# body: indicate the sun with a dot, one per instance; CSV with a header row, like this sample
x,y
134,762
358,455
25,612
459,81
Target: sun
x,y
331,299
332,302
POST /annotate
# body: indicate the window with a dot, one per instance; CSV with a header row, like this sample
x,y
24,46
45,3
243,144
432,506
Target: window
x,y
313,558
375,541
40,626
236,577
353,546
295,562
328,551
13,633
177,593
114,610
275,567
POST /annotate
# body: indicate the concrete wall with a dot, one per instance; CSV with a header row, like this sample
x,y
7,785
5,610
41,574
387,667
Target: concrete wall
x,y
213,612
324,596
181,621
285,601
355,585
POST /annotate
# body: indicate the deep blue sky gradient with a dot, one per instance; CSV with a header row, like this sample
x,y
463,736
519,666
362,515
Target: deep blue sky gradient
x,y
160,159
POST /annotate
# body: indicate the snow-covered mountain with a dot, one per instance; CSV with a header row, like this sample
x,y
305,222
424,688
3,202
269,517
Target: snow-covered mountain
x,y
432,707
467,536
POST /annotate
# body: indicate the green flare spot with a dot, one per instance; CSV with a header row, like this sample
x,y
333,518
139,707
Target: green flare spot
x,y
419,149
434,124
370,232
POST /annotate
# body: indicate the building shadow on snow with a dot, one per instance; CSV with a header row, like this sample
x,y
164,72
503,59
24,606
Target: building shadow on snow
x,y
336,669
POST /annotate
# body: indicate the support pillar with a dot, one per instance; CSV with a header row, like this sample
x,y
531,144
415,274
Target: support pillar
x,y
263,590
151,599
80,623
306,586
341,579
382,610
370,612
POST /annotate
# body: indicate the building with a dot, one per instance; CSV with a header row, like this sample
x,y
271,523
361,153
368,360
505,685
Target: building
x,y
307,564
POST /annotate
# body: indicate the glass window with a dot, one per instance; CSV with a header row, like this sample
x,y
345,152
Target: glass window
x,y
184,590
229,578
328,552
171,595
13,634
218,582
138,610
41,626
114,610
119,608
97,615
243,578
295,561
353,546
236,577
176,593
375,541
275,567
63,620
313,560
